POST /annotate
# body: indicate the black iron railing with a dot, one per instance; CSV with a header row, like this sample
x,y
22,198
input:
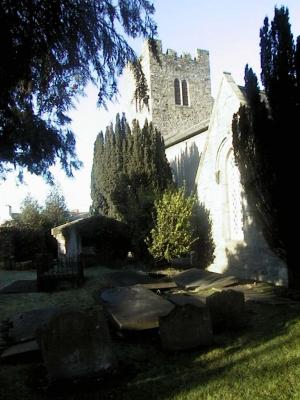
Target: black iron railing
x,y
51,272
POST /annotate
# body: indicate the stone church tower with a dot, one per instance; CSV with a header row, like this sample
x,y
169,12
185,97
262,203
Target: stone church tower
x,y
179,89
198,139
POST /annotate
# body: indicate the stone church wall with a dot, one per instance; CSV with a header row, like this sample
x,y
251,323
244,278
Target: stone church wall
x,y
184,158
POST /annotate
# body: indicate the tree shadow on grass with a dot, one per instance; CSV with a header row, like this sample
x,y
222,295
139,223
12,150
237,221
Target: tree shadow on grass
x,y
263,351
259,355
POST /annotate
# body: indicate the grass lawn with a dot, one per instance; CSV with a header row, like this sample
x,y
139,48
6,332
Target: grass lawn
x,y
260,362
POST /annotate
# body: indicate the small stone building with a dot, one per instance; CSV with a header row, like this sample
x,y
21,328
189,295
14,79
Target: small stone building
x,y
198,138
92,239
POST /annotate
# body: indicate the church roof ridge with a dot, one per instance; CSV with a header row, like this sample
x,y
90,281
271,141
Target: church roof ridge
x,y
177,137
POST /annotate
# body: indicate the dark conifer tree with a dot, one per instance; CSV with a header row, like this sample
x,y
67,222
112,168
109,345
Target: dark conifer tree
x,y
132,171
265,138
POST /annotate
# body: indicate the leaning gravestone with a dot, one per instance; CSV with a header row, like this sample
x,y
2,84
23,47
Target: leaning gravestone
x,y
187,326
227,309
76,345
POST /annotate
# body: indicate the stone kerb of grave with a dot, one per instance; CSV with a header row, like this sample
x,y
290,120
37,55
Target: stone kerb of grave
x,y
227,309
187,326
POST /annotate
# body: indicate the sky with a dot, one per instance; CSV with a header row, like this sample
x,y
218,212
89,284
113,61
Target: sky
x,y
228,29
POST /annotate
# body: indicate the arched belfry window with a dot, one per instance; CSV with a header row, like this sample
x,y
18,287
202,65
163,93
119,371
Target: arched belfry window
x,y
181,92
177,92
185,96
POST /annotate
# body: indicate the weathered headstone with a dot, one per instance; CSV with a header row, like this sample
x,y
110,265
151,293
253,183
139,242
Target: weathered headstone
x,y
227,309
187,326
76,345
134,307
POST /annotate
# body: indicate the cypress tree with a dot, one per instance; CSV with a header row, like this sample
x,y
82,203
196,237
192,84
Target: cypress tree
x,y
130,170
264,132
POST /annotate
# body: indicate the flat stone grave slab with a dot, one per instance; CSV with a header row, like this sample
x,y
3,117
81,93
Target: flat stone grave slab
x,y
128,278
20,349
134,307
255,293
199,278
23,326
21,286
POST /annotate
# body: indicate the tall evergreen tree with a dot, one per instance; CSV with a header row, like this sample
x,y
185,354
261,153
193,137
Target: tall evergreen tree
x,y
264,138
130,170
49,51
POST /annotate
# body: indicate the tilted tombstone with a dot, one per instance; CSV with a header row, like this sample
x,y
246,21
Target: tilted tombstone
x,y
227,309
76,345
187,326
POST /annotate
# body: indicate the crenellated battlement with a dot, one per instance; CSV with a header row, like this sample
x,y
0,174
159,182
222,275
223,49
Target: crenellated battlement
x,y
170,54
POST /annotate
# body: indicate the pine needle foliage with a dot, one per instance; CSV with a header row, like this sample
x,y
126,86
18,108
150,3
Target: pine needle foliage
x,y
50,50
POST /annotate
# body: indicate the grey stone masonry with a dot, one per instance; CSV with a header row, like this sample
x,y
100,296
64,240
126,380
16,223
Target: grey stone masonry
x,y
168,117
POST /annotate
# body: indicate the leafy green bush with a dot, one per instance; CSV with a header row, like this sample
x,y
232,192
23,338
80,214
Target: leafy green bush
x,y
182,225
173,234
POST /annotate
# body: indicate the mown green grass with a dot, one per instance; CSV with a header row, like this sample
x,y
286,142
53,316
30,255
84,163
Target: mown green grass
x,y
262,361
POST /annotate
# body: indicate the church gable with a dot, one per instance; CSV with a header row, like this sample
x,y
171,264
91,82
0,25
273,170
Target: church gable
x,y
241,249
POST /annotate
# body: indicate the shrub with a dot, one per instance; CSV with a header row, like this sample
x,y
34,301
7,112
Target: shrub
x,y
173,234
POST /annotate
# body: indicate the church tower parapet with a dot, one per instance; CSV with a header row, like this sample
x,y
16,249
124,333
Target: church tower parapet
x,y
179,89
